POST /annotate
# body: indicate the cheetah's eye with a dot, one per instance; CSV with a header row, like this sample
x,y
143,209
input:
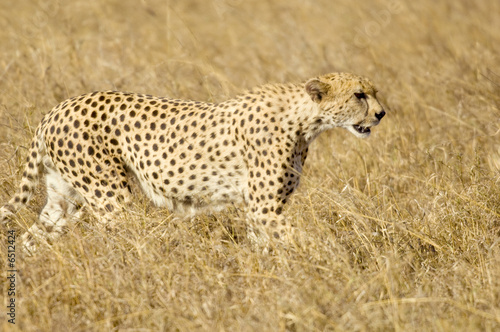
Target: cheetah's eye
x,y
360,95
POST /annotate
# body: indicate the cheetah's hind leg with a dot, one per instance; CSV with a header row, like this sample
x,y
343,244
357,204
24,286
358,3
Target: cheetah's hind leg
x,y
109,196
63,206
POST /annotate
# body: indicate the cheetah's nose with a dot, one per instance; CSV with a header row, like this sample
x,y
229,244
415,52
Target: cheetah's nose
x,y
380,115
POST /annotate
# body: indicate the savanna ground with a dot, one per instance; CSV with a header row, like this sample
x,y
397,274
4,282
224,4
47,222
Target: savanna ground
x,y
398,232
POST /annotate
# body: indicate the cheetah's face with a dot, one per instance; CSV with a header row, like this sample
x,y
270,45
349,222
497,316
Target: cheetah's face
x,y
347,101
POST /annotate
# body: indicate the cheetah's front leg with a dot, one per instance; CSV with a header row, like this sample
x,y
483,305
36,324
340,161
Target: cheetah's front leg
x,y
262,231
267,196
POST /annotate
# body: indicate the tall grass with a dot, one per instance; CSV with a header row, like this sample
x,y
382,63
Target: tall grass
x,y
397,232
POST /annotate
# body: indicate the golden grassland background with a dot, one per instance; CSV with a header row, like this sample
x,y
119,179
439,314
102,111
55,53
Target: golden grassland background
x,y
399,232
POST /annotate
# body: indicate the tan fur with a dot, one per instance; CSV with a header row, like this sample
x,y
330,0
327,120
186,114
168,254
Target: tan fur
x,y
189,156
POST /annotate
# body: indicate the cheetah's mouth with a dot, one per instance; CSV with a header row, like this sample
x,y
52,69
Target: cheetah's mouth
x,y
362,130
359,131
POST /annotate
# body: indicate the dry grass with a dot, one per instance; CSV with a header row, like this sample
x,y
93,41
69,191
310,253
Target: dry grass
x,y
400,232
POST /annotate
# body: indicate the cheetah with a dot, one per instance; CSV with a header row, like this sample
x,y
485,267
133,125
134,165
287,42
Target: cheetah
x,y
188,156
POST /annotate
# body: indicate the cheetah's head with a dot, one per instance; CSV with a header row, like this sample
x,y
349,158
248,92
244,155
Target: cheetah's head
x,y
346,100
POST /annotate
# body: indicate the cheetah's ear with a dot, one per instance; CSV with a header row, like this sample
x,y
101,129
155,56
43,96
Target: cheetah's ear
x,y
317,89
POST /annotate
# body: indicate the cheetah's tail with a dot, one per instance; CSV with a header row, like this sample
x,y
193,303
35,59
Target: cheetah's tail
x,y
29,180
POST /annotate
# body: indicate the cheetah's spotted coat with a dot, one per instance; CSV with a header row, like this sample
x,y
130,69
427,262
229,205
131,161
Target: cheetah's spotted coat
x,y
188,155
